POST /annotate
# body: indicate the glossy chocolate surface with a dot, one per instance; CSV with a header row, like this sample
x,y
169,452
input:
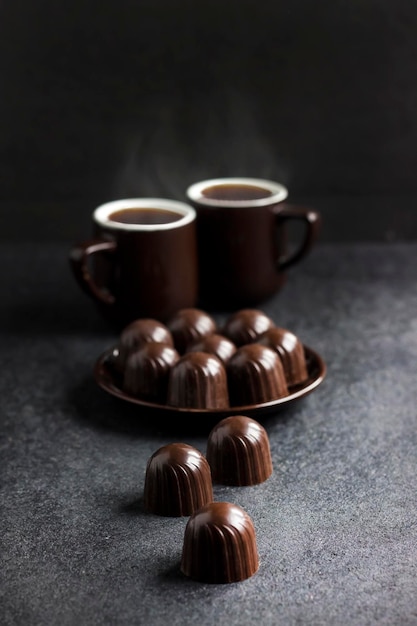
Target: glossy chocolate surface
x,y
198,380
291,352
238,452
246,326
139,332
219,379
109,381
147,371
219,544
177,481
215,344
255,375
188,326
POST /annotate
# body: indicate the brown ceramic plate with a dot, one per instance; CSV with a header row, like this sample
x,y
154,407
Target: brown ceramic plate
x,y
107,379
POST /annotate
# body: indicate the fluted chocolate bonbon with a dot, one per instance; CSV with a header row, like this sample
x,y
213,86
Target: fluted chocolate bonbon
x,y
246,326
147,371
177,481
215,344
240,376
219,544
291,352
139,332
188,326
198,380
238,452
255,376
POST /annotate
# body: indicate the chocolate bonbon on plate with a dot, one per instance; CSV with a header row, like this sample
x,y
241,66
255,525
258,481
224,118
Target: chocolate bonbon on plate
x,y
291,352
177,481
215,344
246,326
238,452
188,326
198,380
219,544
147,371
255,375
252,379
139,332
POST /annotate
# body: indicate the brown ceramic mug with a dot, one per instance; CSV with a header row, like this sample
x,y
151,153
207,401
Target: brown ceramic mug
x,y
242,239
142,261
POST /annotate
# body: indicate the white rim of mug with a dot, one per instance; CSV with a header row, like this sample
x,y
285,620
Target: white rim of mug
x,y
278,192
102,213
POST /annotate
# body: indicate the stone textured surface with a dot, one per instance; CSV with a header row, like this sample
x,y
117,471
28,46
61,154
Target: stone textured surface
x,y
336,523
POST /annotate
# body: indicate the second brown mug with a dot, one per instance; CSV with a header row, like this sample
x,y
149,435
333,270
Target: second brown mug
x,y
242,239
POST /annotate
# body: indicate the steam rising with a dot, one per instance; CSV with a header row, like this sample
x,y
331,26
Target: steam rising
x,y
208,137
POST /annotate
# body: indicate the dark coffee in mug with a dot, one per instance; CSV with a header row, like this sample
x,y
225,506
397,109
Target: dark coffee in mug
x,y
241,234
142,261
236,192
144,216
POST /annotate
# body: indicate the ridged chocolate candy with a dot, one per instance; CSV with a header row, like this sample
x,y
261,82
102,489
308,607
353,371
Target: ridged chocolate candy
x,y
246,326
238,452
177,482
138,333
147,371
198,380
219,544
215,344
291,352
190,325
255,376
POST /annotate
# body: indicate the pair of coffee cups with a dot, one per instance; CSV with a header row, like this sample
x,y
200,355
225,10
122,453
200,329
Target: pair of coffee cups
x,y
225,249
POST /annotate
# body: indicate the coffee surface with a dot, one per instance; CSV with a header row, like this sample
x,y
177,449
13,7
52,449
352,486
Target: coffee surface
x,y
145,216
236,192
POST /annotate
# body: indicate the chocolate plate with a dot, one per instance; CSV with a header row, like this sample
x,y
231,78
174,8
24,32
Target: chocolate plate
x,y
108,380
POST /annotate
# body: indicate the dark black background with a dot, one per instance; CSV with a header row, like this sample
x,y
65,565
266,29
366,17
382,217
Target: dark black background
x,y
102,100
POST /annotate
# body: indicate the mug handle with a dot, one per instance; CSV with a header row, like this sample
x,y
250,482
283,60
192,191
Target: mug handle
x,y
311,220
79,257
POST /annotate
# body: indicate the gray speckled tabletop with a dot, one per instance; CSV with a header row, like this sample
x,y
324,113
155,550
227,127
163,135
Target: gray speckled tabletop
x,y
336,523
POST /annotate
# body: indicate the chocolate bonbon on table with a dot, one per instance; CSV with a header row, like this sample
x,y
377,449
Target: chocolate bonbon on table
x,y
177,481
219,544
238,452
